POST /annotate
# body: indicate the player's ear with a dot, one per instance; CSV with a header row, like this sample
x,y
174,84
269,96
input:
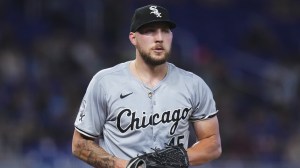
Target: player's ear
x,y
132,38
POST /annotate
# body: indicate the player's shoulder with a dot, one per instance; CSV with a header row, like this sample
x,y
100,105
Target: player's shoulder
x,y
116,70
180,72
187,78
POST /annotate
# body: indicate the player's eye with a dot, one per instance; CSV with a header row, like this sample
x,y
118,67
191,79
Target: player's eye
x,y
147,31
166,30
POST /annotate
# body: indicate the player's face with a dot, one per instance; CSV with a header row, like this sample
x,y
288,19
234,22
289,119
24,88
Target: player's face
x,y
153,42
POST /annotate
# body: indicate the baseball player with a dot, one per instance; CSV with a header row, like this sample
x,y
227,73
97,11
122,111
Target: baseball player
x,y
145,104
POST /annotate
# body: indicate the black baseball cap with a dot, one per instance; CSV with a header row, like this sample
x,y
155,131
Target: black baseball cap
x,y
150,14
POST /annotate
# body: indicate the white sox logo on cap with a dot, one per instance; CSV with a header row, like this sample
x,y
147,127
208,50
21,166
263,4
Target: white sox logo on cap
x,y
155,11
150,14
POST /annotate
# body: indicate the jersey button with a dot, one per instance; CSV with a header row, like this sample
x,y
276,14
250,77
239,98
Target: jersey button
x,y
150,94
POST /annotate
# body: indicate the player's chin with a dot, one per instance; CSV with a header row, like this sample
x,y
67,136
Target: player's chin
x,y
159,57
159,61
154,61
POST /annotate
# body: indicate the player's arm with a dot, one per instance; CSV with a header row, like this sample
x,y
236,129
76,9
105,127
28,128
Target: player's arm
x,y
208,145
86,149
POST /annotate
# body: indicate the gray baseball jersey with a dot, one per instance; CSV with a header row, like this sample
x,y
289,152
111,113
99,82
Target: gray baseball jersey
x,y
130,118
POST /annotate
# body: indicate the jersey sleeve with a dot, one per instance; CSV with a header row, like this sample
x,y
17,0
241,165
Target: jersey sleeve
x,y
204,105
91,115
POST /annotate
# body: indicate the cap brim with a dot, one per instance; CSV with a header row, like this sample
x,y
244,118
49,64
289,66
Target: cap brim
x,y
171,24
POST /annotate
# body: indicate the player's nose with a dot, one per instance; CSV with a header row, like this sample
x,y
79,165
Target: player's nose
x,y
159,36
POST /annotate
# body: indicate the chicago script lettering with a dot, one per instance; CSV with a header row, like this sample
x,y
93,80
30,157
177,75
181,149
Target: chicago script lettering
x,y
155,119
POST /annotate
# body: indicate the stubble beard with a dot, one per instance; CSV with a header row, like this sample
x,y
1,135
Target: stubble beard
x,y
151,60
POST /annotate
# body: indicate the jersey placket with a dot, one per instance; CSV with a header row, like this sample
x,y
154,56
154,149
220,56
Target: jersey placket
x,y
152,101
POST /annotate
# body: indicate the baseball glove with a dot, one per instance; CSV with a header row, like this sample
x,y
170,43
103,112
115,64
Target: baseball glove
x,y
170,157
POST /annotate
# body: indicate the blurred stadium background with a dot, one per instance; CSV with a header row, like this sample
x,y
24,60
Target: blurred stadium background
x,y
248,51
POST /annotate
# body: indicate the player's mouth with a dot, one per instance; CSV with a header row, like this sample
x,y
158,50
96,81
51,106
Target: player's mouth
x,y
158,49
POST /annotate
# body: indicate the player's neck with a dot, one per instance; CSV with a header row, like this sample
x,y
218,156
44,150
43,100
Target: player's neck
x,y
149,75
